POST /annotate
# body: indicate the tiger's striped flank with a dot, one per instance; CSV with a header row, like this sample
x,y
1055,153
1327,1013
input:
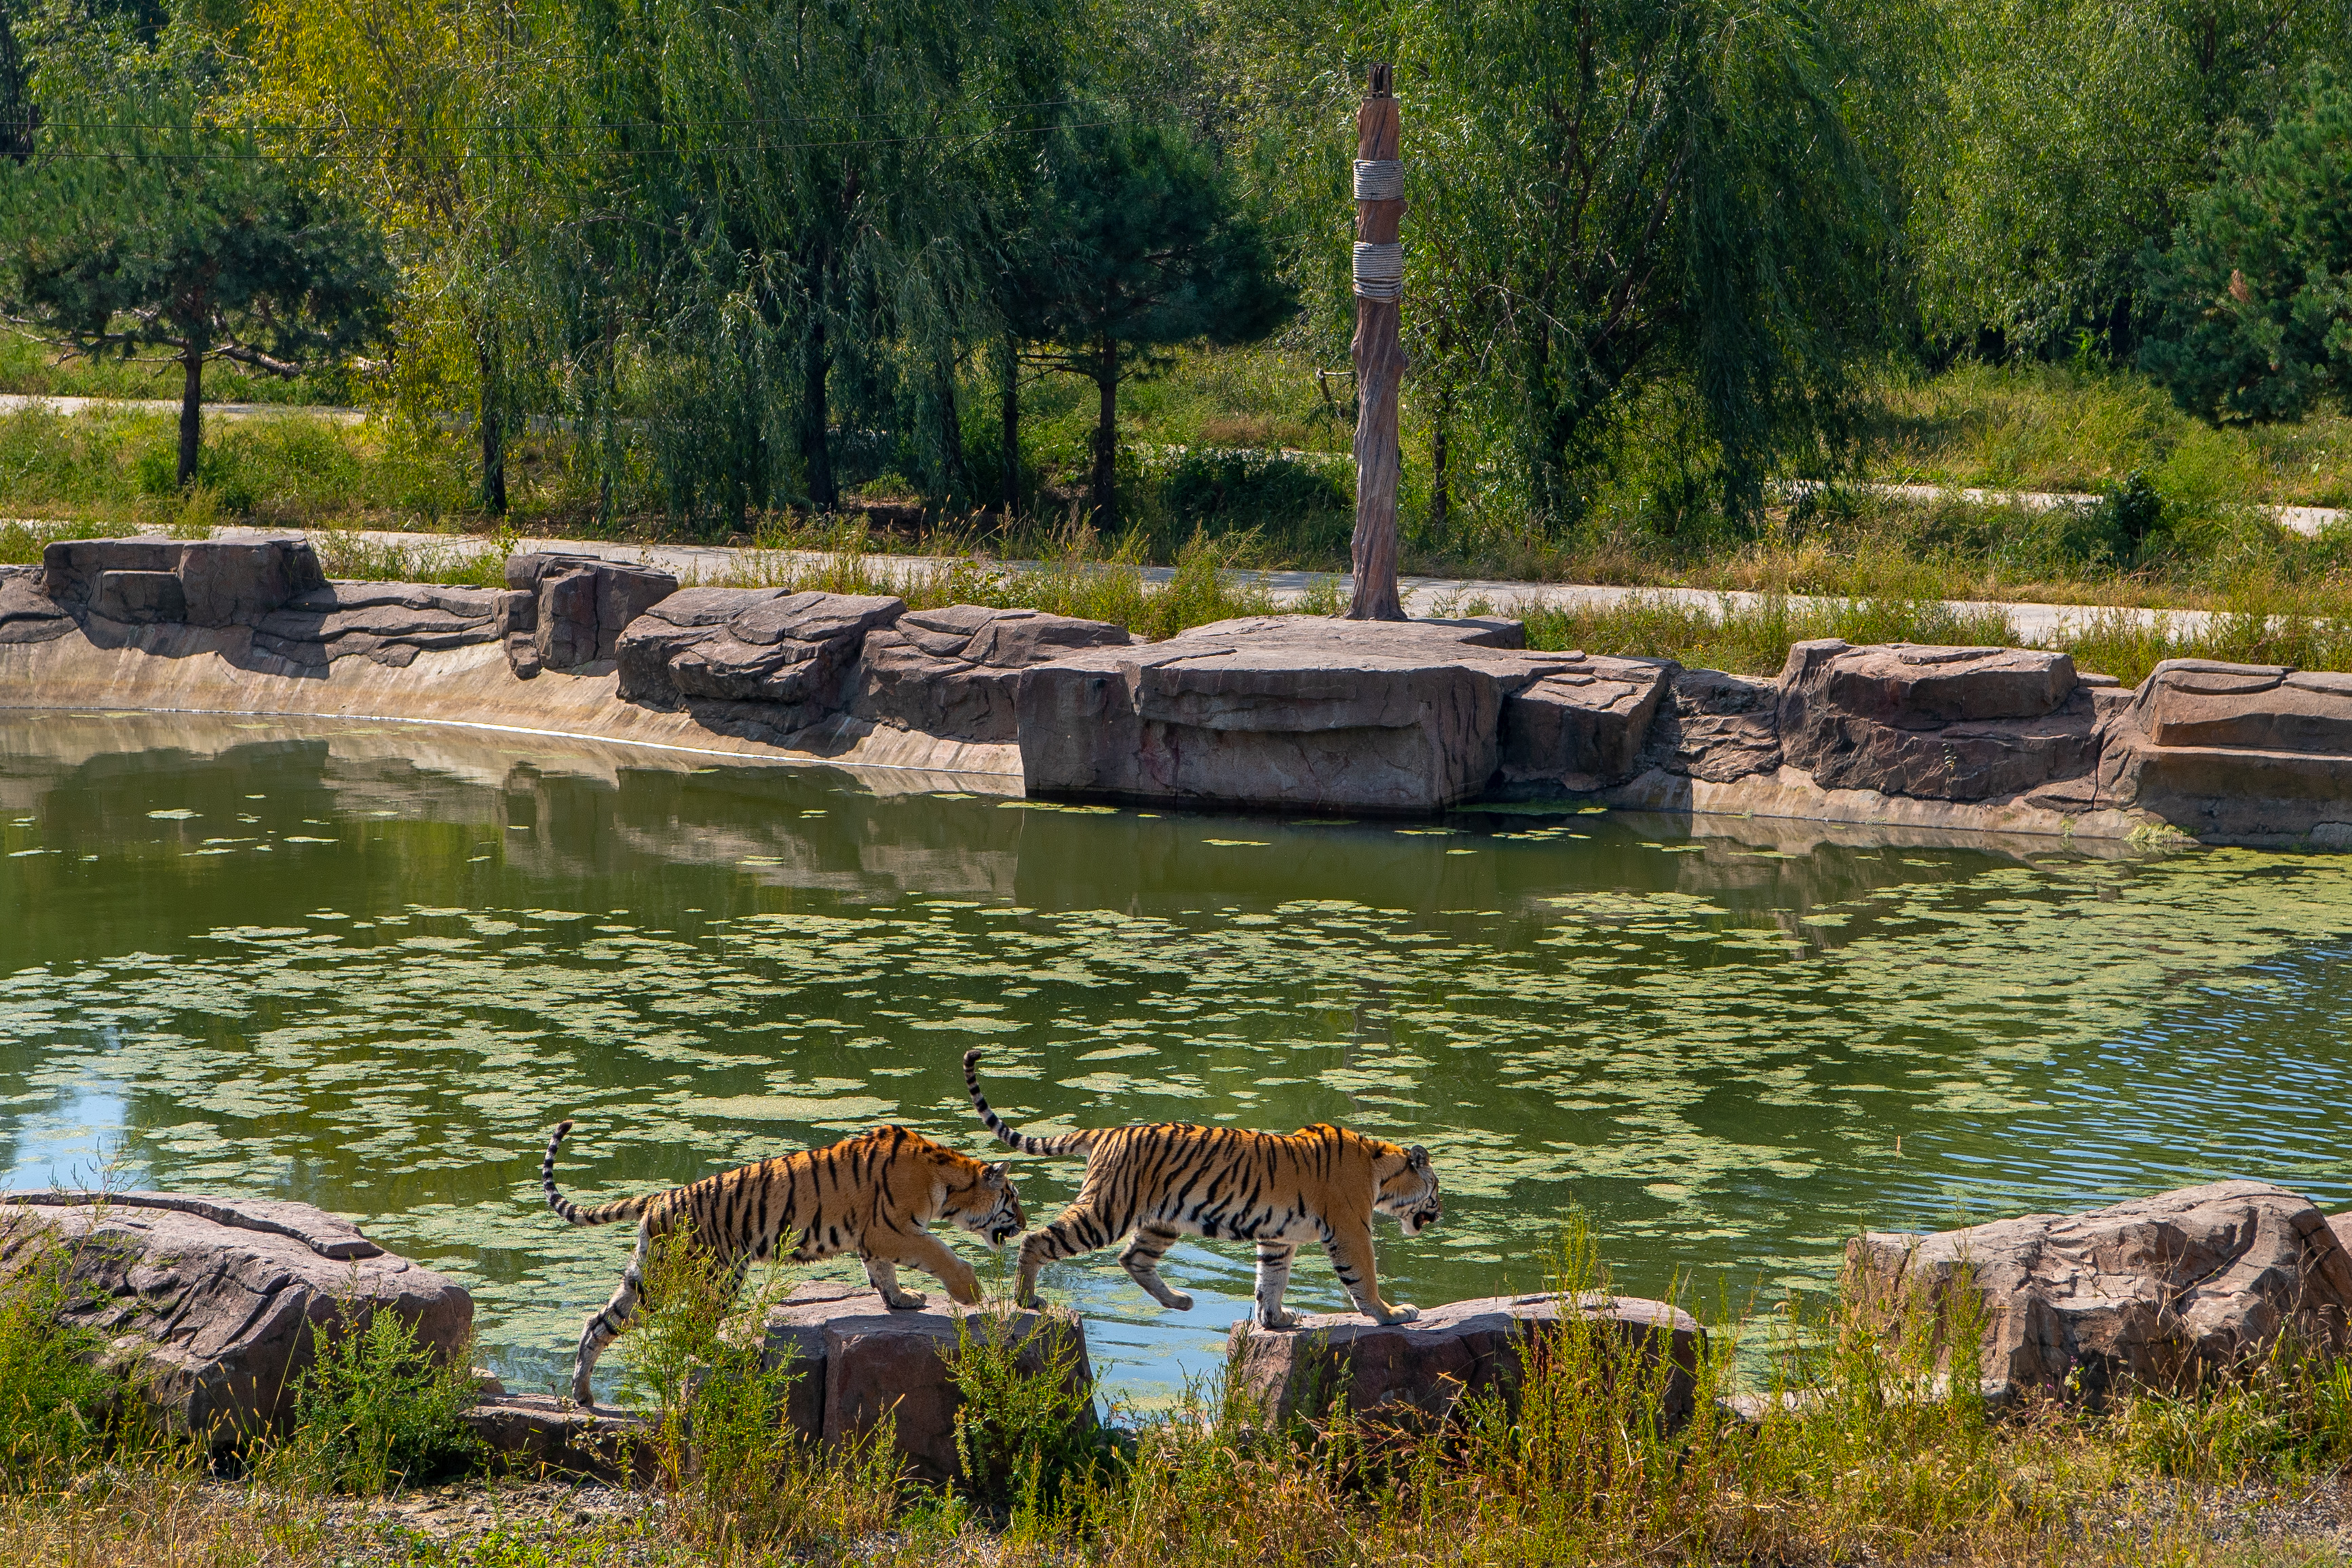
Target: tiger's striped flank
x,y
1156,1182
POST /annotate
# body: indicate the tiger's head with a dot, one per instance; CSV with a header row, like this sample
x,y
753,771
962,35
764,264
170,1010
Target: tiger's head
x,y
990,1205
1408,1189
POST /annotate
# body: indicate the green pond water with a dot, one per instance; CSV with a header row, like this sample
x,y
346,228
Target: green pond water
x,y
367,965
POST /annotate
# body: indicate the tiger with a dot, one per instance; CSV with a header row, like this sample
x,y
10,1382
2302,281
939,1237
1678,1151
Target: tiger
x,y
872,1194
1170,1179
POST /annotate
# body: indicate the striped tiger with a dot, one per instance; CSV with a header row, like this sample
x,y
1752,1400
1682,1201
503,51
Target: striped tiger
x,y
1171,1178
872,1194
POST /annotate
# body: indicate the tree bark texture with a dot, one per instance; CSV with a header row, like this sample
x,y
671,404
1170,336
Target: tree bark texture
x,y
1009,390
816,420
192,409
1379,368
1106,432
494,436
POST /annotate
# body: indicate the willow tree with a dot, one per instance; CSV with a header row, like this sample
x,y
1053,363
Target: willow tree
x,y
1615,196
790,209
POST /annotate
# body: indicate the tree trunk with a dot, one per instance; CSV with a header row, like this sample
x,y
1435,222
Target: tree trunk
x,y
952,472
1379,367
1009,392
493,432
816,437
1106,432
192,409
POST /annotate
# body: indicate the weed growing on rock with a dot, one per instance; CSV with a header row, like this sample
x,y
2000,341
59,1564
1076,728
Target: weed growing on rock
x,y
1022,1434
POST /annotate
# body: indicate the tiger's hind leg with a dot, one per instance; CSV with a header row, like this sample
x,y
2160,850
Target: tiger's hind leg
x,y
605,1325
1273,1279
1076,1229
1140,1258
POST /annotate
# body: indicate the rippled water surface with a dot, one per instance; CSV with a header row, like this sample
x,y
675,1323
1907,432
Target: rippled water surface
x,y
367,965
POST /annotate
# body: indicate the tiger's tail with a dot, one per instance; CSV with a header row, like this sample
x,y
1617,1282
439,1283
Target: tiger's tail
x,y
604,1214
1064,1143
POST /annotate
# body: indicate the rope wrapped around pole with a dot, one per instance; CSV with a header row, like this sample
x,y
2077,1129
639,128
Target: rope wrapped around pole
x,y
1380,180
1379,271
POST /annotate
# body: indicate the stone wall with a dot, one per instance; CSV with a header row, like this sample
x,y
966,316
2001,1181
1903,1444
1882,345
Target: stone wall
x,y
1279,713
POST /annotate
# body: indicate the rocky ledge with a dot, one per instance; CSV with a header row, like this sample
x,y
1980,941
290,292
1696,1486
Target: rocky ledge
x,y
1279,712
215,1298
2167,1292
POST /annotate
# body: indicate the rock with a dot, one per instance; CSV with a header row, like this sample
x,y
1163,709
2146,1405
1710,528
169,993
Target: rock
x,y
1715,727
2162,1292
583,604
1295,712
1419,1371
957,672
1582,727
218,582
1935,724
390,623
221,1313
758,657
140,598
2233,751
862,1361
27,614
538,1435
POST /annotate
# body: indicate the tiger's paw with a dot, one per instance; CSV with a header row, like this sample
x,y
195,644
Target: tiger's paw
x,y
1277,1318
1179,1302
581,1394
1400,1312
904,1301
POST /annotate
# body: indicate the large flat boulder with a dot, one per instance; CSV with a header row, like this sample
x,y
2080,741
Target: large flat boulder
x,y
1582,727
200,583
861,1362
2235,751
215,1297
956,672
389,622
761,662
2164,1293
540,1434
1934,723
1421,1371
1282,711
581,605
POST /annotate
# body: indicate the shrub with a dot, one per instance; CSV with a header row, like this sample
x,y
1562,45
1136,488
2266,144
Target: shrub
x,y
61,1406
1021,1435
375,1410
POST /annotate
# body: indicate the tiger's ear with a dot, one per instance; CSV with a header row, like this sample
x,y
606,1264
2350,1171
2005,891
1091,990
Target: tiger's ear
x,y
1000,1171
1417,1157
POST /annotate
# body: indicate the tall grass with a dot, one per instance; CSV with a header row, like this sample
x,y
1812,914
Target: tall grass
x,y
1752,640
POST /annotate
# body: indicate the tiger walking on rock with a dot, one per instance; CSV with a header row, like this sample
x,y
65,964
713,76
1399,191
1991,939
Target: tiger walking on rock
x,y
1170,1179
874,1194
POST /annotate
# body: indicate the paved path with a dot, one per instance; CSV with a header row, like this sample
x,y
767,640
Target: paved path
x,y
1422,595
2306,520
21,402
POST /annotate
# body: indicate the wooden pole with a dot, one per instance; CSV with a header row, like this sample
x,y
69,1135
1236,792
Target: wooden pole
x,y
1380,356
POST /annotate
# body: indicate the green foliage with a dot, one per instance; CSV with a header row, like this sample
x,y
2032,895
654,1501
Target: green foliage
x,y
2041,147
720,1441
1297,511
375,1410
1022,1436
2257,313
1752,639
1138,243
149,222
62,1407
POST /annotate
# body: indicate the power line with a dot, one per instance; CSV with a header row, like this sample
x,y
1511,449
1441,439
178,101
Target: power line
x,y
585,151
